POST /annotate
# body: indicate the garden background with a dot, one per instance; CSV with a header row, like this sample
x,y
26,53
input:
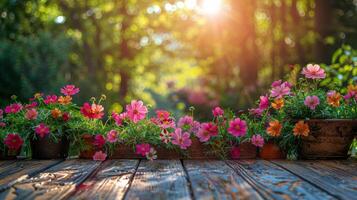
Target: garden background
x,y
171,54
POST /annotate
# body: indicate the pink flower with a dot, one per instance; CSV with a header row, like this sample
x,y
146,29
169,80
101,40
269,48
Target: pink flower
x,y
165,136
118,120
235,153
94,111
151,155
257,140
181,139
264,102
1,113
99,156
313,72
206,131
31,114
187,123
99,141
143,149
31,105
276,83
278,91
312,102
256,112
217,111
162,114
42,130
13,141
237,127
167,123
50,99
2,124
69,90
112,136
13,108
136,110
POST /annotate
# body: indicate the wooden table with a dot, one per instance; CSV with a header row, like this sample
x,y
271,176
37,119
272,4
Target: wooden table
x,y
177,179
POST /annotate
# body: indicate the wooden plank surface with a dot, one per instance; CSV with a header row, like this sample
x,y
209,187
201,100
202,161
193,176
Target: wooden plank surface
x,y
345,165
4,163
159,179
216,180
56,182
20,170
273,182
110,182
335,181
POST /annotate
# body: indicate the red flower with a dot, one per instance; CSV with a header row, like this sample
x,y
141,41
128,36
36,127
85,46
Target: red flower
x,y
69,90
13,108
99,141
42,130
13,141
50,99
94,111
235,153
66,116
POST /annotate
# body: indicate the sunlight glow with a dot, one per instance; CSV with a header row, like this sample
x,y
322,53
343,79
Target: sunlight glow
x,y
211,7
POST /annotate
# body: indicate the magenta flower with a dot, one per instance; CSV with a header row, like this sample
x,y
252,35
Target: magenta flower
x,y
118,120
276,83
313,72
31,105
257,140
235,153
99,156
256,112
278,91
186,123
312,102
264,102
217,112
136,110
181,139
237,127
13,141
2,124
50,99
69,90
99,141
143,149
31,114
42,130
112,136
206,131
13,108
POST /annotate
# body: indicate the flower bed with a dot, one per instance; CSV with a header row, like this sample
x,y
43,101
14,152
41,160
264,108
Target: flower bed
x,y
280,126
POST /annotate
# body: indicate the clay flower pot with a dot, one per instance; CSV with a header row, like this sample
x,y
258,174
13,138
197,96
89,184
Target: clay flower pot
x,y
271,151
44,148
328,139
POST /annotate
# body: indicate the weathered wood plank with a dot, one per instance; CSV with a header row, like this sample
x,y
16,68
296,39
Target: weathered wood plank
x,y
54,183
273,182
4,163
345,165
159,179
216,180
20,170
336,182
110,182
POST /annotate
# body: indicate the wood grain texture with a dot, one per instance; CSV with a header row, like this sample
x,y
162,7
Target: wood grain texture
x,y
110,182
349,166
20,170
337,182
216,180
159,179
273,182
56,182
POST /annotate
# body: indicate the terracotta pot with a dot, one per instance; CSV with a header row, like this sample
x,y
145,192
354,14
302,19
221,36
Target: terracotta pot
x,y
44,148
271,151
328,139
199,151
89,149
9,154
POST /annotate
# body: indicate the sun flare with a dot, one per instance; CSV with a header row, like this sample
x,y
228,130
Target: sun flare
x,y
211,7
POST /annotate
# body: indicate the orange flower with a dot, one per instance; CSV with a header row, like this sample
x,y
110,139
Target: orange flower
x,y
301,129
56,113
274,128
333,98
278,103
64,100
352,88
